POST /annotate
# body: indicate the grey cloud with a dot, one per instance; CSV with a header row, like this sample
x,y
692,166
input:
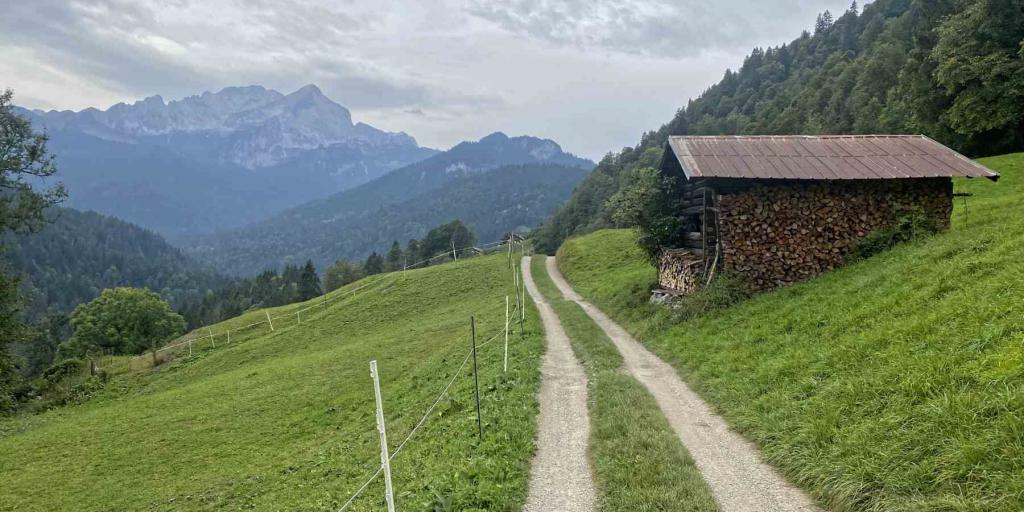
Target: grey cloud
x,y
92,40
662,28
286,44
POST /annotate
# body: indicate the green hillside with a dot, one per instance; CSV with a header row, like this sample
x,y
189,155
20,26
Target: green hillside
x,y
949,69
284,420
896,383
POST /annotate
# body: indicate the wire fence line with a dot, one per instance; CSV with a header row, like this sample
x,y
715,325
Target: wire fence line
x,y
315,304
443,393
420,423
386,284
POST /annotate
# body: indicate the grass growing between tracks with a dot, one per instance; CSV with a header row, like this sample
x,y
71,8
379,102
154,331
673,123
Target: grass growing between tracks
x,y
895,383
284,420
638,461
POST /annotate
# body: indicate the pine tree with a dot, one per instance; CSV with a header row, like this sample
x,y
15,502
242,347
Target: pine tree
x,y
309,282
394,257
374,264
824,22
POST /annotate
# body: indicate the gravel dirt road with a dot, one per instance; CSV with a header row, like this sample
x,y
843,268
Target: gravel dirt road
x,y
560,476
731,465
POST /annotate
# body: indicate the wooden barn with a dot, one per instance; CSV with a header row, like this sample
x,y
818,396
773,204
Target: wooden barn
x,y
780,209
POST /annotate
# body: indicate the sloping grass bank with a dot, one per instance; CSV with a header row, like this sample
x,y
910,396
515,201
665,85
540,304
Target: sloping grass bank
x,y
638,461
284,420
896,383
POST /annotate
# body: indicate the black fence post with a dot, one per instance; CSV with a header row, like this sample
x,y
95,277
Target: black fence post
x,y
476,379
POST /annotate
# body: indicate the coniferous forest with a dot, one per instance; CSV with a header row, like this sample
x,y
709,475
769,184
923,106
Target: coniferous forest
x,y
949,69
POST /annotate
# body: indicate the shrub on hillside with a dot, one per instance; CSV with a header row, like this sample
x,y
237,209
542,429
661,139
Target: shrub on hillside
x,y
724,290
911,225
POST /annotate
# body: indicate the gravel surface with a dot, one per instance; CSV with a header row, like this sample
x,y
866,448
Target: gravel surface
x,y
731,465
560,477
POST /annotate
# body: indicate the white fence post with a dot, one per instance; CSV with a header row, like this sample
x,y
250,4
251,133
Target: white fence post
x,y
515,284
506,334
212,342
190,347
385,459
268,320
229,336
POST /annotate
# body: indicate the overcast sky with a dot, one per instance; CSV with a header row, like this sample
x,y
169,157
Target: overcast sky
x,y
590,74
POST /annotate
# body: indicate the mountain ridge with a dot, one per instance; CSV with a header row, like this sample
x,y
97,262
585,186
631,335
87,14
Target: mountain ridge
x,y
216,160
345,224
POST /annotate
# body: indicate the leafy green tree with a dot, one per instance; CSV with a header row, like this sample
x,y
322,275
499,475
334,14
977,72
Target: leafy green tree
x,y
393,260
980,55
39,350
309,282
342,273
23,158
651,202
443,238
374,264
124,321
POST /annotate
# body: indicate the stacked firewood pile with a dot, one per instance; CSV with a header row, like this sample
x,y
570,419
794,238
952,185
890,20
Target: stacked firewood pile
x,y
782,234
679,270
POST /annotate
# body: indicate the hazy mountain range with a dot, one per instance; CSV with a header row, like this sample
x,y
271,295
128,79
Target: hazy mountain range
x,y
216,160
496,184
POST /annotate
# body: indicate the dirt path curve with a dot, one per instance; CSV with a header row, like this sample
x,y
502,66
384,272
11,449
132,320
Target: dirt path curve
x,y
731,465
560,476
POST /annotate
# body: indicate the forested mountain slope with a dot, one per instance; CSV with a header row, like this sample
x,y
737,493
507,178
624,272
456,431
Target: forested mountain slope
x,y
496,184
78,254
950,69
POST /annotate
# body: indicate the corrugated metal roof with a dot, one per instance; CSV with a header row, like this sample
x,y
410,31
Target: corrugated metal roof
x,y
831,157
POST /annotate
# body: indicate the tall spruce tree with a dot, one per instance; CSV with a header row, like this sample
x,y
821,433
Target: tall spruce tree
x,y
394,258
309,282
374,264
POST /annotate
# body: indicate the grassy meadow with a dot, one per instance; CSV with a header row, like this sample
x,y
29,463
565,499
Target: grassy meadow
x,y
895,383
285,420
639,463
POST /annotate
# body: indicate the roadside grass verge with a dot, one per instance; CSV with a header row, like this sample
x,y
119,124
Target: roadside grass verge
x,y
284,420
895,383
639,462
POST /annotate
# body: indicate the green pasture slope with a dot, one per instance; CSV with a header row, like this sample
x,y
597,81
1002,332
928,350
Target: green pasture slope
x,y
895,383
284,420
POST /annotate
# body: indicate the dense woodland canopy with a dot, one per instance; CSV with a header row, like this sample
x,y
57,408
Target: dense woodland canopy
x,y
79,254
950,69
435,247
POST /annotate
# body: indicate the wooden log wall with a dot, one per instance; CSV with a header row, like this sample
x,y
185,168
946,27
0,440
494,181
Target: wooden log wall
x,y
777,235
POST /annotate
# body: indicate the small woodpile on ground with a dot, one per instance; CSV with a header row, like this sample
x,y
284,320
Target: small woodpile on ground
x,y
780,209
680,270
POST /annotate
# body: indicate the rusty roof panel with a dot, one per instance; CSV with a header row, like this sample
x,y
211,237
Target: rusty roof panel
x,y
846,157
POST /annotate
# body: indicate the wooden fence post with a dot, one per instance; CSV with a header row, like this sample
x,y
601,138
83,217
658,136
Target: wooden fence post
x,y
385,458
